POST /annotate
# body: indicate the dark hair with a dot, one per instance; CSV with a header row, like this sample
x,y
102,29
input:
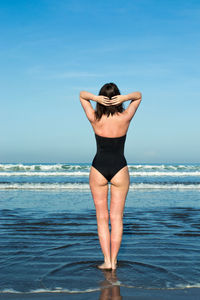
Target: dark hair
x,y
108,90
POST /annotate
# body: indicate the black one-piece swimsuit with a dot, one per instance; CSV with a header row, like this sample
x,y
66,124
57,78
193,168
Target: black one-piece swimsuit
x,y
109,158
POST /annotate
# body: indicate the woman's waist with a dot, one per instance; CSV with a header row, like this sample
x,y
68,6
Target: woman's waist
x,y
109,155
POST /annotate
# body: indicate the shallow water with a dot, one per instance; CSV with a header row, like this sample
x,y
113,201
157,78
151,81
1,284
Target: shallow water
x,y
52,244
49,241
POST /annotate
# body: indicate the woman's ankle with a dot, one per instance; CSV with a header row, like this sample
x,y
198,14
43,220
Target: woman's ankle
x,y
107,259
114,261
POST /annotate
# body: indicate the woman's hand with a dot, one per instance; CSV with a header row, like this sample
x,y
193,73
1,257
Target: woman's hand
x,y
117,100
103,100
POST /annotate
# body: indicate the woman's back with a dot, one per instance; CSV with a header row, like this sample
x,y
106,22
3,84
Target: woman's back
x,y
113,126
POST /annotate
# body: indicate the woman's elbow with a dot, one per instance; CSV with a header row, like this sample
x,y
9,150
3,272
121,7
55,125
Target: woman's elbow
x,y
81,95
139,95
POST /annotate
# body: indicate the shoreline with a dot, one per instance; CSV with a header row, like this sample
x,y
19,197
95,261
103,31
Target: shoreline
x,y
124,292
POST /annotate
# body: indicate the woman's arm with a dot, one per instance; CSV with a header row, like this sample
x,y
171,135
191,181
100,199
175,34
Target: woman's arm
x,y
85,98
135,98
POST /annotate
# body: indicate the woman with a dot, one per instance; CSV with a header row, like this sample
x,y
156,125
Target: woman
x,y
110,122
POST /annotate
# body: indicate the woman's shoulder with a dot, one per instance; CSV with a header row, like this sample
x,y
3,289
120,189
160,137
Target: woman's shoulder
x,y
112,119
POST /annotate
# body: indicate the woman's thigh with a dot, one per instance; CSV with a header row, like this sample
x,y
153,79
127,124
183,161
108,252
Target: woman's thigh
x,y
119,189
99,190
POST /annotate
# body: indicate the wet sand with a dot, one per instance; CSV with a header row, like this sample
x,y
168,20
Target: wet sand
x,y
112,293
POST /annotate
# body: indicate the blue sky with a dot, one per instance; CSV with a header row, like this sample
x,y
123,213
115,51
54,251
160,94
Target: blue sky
x,y
50,50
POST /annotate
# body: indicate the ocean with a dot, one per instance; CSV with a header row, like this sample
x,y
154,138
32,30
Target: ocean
x,y
48,230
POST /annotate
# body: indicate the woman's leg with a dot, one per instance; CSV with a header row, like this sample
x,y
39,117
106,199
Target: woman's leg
x,y
119,189
99,189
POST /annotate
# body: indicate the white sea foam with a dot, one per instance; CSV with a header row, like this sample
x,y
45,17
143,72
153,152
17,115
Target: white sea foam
x,y
44,173
56,290
90,290
138,186
42,167
158,173
85,186
45,186
71,167
187,286
86,173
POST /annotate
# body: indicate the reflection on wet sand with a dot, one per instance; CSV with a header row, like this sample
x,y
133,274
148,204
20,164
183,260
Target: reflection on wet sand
x,y
109,287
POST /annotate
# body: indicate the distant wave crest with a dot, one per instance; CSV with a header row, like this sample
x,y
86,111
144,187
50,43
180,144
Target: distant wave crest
x,y
85,186
86,167
86,173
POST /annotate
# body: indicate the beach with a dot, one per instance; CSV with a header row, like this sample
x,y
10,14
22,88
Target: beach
x,y
49,247
135,294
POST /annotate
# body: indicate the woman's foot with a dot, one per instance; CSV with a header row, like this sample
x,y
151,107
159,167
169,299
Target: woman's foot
x,y
105,265
114,264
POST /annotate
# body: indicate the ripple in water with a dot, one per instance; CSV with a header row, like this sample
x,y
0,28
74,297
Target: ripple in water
x,y
61,251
